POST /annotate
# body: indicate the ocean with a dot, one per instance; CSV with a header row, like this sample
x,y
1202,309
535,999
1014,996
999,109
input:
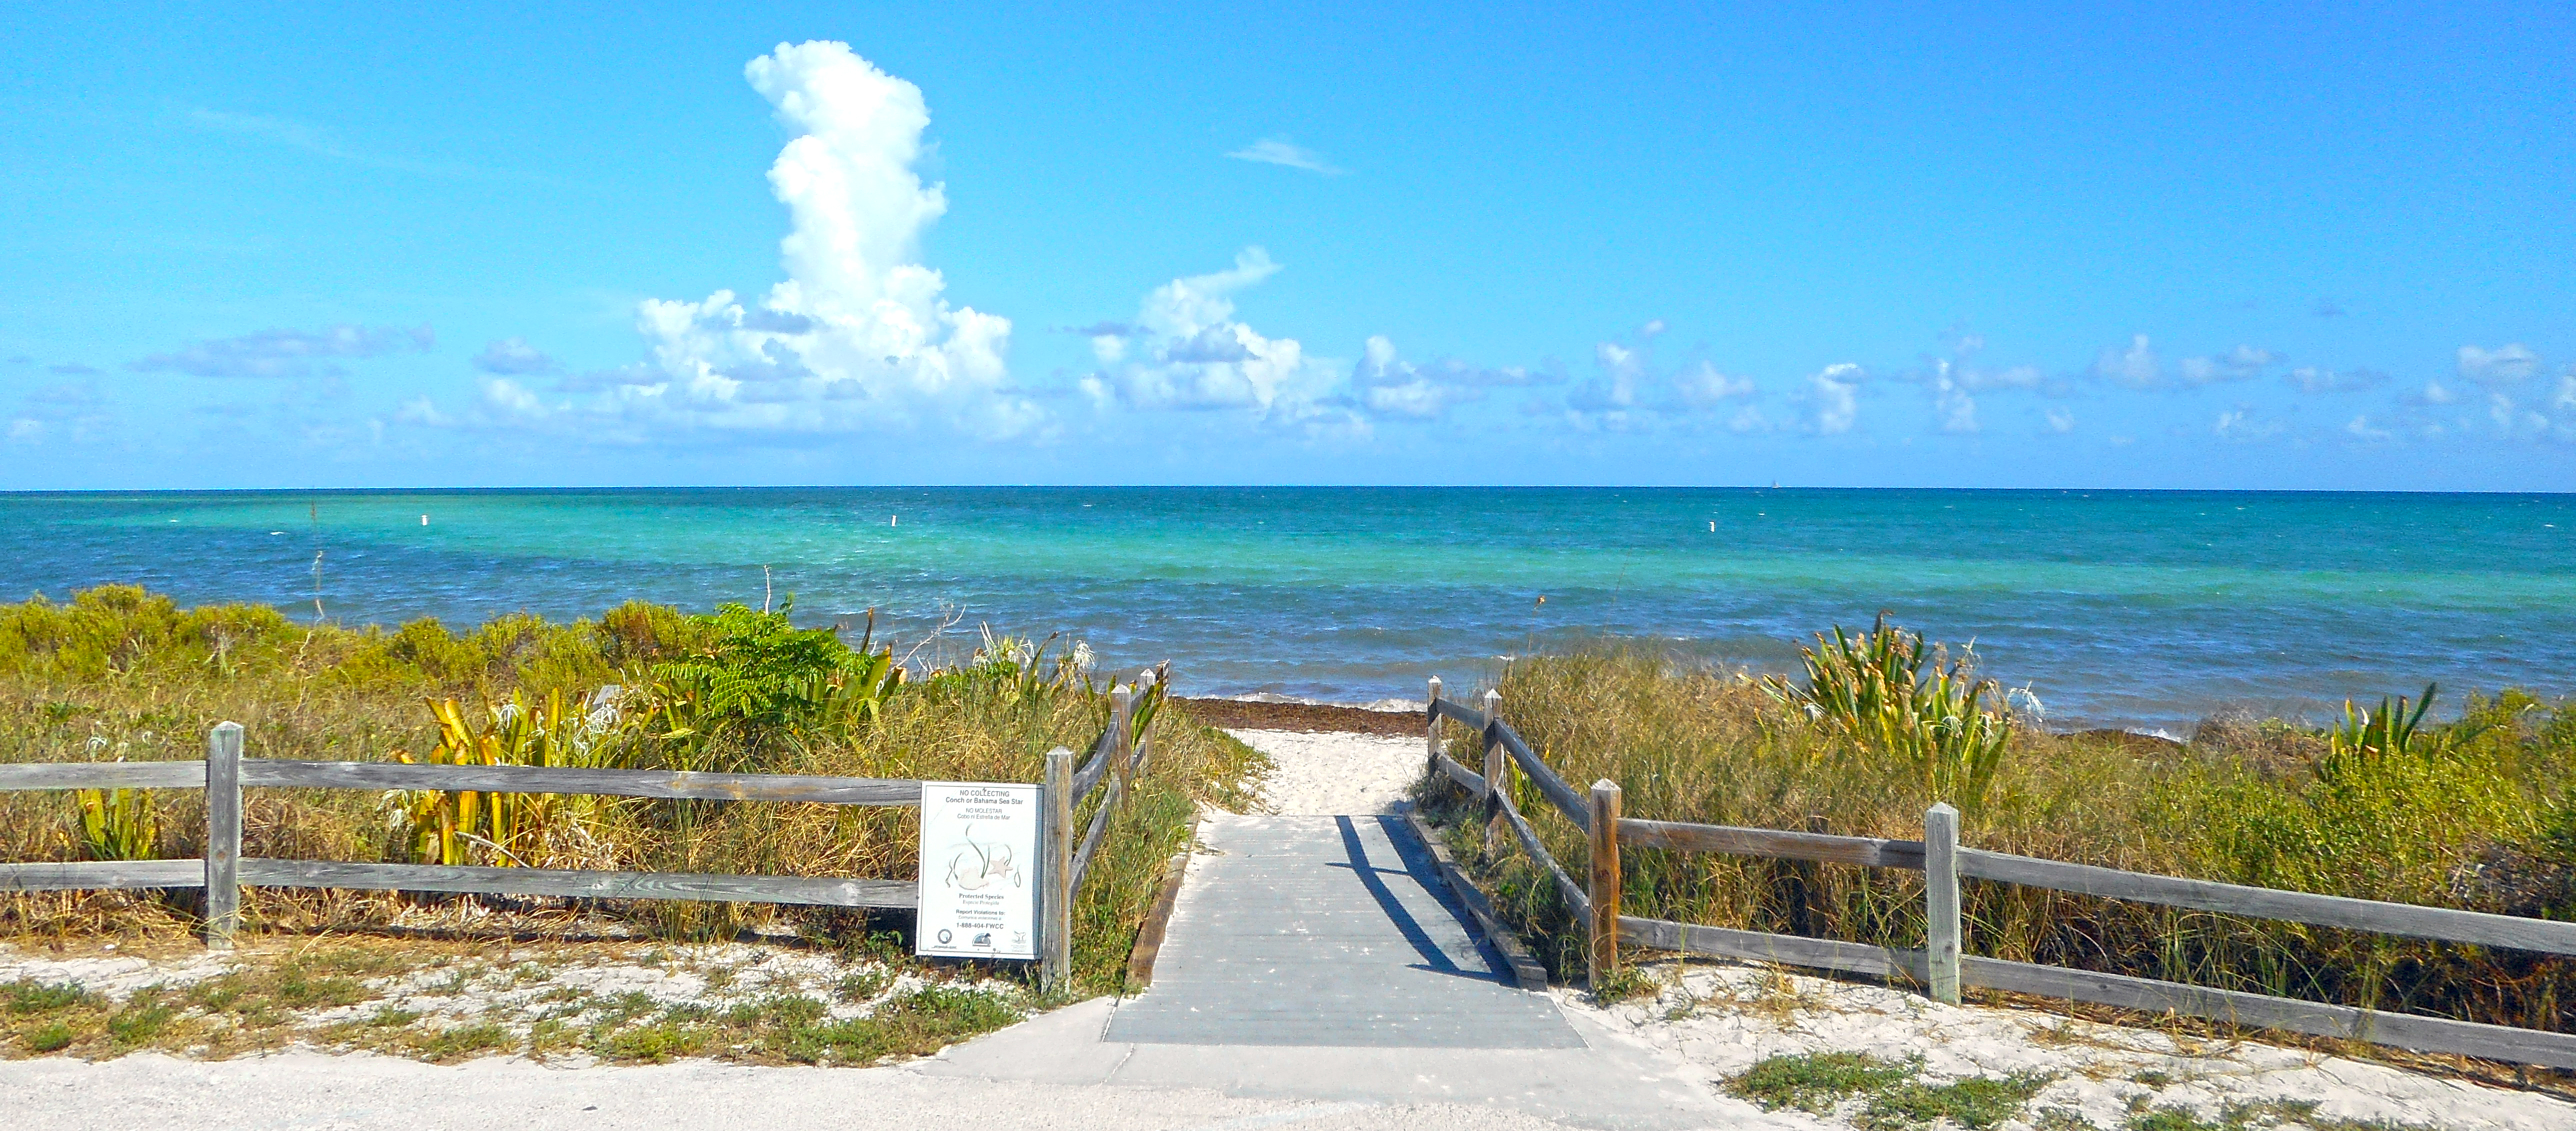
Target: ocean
x,y
2148,610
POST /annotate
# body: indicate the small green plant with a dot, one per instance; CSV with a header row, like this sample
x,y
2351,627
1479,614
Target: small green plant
x,y
1975,1103
458,1041
656,1043
1816,1081
53,1036
862,985
140,1021
28,996
1624,983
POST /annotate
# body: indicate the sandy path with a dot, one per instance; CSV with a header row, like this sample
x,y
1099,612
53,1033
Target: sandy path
x,y
313,1090
1331,773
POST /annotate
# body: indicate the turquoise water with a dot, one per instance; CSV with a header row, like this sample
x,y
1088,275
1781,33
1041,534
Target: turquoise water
x,y
2147,609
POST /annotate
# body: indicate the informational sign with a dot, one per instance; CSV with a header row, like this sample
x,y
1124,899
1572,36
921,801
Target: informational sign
x,y
979,870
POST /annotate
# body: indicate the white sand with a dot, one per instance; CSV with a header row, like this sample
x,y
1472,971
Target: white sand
x,y
1334,772
1724,1018
517,987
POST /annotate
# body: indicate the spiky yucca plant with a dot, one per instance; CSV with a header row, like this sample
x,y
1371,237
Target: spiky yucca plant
x,y
521,829
1893,696
117,824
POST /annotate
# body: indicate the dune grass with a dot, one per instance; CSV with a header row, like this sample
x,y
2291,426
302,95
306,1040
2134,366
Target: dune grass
x,y
118,673
2474,814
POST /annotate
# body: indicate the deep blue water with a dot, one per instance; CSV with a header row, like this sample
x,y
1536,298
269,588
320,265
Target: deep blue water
x,y
2132,608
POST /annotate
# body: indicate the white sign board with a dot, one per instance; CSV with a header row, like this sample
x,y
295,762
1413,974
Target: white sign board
x,y
979,870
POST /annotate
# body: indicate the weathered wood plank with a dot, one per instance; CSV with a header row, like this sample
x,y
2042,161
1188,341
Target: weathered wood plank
x,y
2301,907
700,887
1104,752
1158,919
19,776
1566,798
1759,946
1941,928
1473,718
1603,922
103,875
1431,721
1099,828
1467,779
222,878
1055,873
2402,1030
553,779
1825,847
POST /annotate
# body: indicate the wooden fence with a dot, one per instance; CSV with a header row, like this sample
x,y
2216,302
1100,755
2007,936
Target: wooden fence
x,y
1940,966
1116,757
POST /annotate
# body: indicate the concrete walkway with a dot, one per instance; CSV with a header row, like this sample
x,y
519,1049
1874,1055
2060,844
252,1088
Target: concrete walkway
x,y
1322,959
1329,931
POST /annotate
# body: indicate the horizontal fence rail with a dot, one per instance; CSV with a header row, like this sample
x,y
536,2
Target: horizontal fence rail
x,y
818,891
103,875
2414,920
1945,862
1823,847
21,777
672,784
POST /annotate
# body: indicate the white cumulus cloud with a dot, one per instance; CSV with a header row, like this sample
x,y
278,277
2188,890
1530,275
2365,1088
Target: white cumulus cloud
x,y
1701,386
2239,364
1191,353
857,338
2136,367
1832,398
1388,385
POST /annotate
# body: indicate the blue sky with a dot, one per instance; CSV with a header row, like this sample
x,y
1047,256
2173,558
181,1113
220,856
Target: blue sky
x,y
2304,247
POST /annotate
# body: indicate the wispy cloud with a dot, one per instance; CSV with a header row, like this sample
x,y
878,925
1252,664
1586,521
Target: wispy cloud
x,y
1281,151
285,353
514,357
321,142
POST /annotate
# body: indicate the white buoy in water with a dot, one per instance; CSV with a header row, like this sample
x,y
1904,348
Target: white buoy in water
x,y
424,520
891,519
1712,526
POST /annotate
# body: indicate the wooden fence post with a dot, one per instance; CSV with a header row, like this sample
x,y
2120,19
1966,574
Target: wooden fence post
x,y
223,834
1604,957
1941,900
1055,895
1493,742
1497,770
1431,726
1122,708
